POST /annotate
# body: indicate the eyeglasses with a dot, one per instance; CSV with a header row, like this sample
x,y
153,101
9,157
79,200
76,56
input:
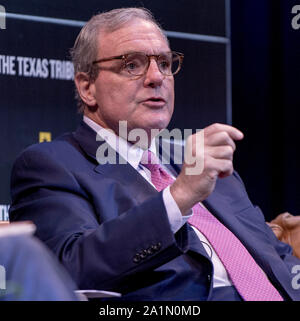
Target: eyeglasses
x,y
137,63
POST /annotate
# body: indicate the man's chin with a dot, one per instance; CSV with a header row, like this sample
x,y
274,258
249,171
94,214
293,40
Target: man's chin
x,y
148,125
159,122
155,128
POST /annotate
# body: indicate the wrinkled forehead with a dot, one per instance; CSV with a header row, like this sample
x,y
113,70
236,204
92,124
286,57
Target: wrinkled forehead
x,y
134,36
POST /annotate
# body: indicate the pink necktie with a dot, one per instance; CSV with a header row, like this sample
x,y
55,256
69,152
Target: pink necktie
x,y
247,277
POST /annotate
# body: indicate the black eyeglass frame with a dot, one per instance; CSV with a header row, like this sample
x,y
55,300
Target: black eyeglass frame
x,y
156,57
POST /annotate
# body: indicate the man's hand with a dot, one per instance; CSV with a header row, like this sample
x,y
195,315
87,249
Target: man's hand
x,y
215,156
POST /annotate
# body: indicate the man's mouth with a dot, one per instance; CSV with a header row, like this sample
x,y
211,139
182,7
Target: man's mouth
x,y
154,102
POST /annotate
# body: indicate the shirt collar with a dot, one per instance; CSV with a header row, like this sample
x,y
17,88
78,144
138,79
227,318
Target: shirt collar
x,y
131,153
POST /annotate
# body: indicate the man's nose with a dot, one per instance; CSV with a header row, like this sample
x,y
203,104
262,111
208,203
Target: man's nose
x,y
153,77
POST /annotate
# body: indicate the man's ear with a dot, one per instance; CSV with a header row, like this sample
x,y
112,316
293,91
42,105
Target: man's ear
x,y
85,88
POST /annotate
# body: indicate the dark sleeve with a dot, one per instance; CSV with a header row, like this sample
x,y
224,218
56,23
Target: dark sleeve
x,y
98,254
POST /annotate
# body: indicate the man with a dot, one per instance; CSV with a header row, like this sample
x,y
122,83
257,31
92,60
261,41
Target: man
x,y
133,228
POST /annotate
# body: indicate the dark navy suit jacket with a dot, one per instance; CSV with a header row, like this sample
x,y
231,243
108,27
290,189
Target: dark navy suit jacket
x,y
109,227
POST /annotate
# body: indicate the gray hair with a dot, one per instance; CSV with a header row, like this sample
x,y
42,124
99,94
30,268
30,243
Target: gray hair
x,y
85,49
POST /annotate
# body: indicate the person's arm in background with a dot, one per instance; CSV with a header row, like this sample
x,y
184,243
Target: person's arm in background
x,y
31,272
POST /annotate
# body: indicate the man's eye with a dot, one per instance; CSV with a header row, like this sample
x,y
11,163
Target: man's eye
x,y
132,65
165,64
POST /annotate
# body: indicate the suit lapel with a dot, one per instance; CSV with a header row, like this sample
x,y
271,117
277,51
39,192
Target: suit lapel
x,y
119,170
86,138
135,183
231,215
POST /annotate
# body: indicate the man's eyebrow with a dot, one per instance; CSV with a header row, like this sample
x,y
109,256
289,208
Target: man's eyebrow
x,y
129,52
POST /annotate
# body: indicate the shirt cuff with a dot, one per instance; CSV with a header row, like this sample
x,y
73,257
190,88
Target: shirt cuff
x,y
176,219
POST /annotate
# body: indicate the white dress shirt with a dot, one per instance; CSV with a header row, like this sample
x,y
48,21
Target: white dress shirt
x,y
133,154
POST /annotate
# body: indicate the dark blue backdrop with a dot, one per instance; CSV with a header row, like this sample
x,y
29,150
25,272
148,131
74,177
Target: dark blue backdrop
x,y
266,101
